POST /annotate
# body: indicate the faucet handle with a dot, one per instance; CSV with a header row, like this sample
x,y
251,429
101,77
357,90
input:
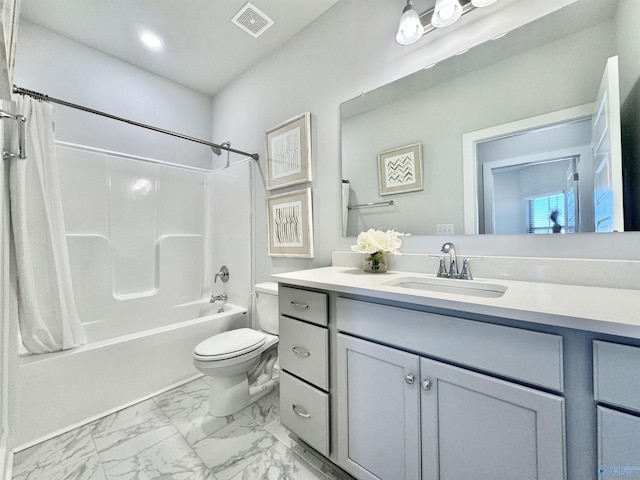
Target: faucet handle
x,y
465,274
442,269
223,274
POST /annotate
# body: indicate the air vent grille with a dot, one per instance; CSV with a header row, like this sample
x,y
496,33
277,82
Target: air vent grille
x,y
252,20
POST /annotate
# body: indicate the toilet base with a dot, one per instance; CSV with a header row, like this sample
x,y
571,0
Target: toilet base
x,y
229,395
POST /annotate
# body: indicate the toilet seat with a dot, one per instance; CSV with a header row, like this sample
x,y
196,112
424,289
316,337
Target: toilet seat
x,y
232,343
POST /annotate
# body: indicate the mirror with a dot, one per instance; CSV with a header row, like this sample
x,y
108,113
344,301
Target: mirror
x,y
468,115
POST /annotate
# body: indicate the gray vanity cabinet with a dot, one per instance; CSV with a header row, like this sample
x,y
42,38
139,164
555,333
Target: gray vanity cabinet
x,y
405,417
616,376
378,411
476,426
304,378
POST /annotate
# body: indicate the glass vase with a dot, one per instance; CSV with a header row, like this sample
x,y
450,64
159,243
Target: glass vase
x,y
375,262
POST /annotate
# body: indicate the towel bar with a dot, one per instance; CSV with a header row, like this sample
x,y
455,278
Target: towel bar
x,y
371,204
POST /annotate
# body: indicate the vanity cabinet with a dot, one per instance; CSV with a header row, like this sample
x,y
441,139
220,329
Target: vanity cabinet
x,y
304,365
433,397
378,411
405,417
616,376
430,388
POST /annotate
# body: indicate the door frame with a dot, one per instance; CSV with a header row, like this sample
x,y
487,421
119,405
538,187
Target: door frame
x,y
470,141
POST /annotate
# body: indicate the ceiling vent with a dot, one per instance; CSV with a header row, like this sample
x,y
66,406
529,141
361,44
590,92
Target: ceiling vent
x,y
252,20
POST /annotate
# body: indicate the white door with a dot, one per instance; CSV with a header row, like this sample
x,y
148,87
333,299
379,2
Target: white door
x,y
606,148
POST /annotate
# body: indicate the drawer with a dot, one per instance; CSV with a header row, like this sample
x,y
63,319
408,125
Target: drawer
x,y
616,374
618,444
304,351
533,357
303,304
305,411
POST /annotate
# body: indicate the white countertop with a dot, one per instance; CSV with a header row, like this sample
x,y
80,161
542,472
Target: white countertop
x,y
613,311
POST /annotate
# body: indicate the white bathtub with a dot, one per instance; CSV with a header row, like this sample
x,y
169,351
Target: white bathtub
x,y
58,391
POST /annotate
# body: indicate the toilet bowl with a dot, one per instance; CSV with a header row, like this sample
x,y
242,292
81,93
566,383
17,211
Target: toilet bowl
x,y
240,362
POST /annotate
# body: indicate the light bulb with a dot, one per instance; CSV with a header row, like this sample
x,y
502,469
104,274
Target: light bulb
x,y
410,29
445,13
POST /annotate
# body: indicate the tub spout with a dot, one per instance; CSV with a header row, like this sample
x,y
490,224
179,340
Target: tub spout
x,y
215,298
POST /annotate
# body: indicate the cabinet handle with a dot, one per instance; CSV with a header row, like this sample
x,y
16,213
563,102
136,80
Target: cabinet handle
x,y
300,413
301,353
426,384
301,306
410,378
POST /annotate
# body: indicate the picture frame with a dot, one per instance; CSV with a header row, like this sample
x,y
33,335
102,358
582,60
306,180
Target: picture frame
x,y
289,152
400,170
290,224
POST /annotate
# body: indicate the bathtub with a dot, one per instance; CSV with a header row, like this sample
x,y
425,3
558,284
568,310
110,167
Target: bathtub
x,y
60,391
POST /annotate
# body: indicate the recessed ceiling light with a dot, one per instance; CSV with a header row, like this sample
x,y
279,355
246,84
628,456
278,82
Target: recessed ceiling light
x,y
151,40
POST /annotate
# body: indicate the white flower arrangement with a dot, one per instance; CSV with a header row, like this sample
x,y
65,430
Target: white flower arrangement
x,y
376,241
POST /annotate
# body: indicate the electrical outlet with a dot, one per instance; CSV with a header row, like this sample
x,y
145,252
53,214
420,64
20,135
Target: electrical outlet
x,y
444,229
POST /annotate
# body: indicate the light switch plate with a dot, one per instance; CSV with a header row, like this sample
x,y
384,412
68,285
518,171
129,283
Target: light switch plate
x,y
444,229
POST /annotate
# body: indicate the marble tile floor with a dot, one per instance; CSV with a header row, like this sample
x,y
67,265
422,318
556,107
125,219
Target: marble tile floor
x,y
172,437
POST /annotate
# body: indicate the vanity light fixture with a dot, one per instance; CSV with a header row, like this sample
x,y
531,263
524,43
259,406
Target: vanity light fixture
x,y
446,12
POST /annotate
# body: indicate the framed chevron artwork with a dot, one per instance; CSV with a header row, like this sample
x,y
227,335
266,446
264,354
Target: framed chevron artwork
x,y
400,170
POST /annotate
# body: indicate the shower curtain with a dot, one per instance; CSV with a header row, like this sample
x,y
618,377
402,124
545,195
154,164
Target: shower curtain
x,y
46,307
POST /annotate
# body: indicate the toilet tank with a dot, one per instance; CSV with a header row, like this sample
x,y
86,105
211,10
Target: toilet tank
x,y
267,307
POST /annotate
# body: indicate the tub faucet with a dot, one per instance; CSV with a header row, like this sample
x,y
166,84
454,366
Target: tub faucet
x,y
215,298
450,248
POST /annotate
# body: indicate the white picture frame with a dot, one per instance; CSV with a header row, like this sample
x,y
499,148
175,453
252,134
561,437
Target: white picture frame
x,y
290,224
289,152
400,170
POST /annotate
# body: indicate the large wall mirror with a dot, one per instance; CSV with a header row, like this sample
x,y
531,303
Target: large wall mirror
x,y
535,132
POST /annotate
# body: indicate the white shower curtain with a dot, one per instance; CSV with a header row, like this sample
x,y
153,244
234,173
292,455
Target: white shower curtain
x,y
46,307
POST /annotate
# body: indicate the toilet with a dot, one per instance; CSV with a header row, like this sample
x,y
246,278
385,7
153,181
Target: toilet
x,y
240,362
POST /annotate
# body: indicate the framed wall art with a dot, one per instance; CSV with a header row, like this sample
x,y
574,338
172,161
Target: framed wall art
x,y
290,224
400,170
289,152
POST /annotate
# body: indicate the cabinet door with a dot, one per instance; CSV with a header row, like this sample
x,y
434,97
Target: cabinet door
x,y
475,426
378,411
618,444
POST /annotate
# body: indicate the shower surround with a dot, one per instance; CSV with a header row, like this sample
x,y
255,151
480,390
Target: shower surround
x,y
140,257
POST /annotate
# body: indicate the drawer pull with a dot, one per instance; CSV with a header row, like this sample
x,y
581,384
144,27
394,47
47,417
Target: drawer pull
x,y
300,306
300,353
300,412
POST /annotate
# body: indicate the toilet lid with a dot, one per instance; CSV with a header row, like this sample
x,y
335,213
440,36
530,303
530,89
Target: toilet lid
x,y
230,344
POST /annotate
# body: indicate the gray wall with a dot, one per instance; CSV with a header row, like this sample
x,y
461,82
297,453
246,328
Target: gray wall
x,y
336,59
62,68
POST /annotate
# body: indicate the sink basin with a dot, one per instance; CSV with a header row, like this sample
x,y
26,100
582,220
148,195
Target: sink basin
x,y
450,285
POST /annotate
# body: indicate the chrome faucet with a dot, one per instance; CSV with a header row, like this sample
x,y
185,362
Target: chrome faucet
x,y
465,274
215,298
450,248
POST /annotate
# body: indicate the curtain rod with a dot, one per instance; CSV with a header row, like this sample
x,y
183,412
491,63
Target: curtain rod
x,y
46,98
